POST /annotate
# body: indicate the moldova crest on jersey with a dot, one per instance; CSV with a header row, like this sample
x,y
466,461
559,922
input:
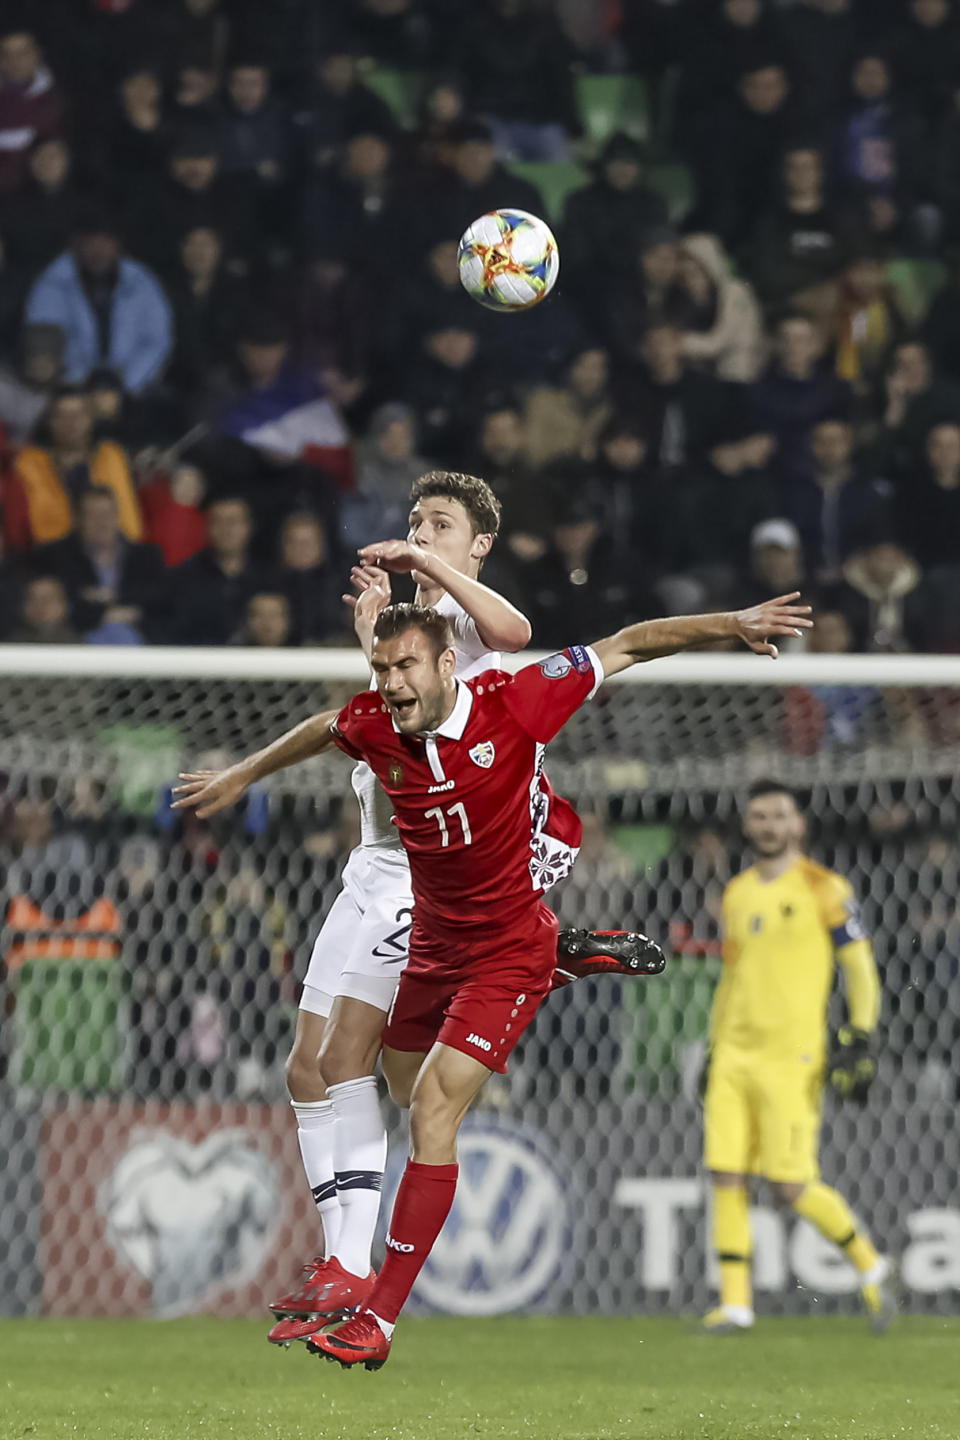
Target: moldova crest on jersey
x,y
483,754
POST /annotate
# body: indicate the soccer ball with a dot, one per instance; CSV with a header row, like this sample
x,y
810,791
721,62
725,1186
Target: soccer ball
x,y
508,260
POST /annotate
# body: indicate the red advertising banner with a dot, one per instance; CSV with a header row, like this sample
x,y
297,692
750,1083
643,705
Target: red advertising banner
x,y
172,1209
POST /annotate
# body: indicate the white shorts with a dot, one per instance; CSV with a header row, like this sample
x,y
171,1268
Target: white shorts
x,y
361,949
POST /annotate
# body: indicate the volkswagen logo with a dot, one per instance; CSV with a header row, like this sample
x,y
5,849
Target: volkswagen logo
x,y
508,1234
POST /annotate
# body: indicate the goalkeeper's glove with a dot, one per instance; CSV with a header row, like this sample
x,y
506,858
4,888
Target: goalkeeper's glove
x,y
853,1068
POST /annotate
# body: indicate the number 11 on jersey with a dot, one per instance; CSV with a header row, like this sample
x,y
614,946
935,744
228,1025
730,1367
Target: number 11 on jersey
x,y
461,815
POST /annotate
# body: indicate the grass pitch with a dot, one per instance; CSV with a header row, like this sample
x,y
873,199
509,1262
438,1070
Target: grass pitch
x,y
538,1379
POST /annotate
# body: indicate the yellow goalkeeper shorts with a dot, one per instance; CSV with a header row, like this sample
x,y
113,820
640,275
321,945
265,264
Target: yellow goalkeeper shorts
x,y
761,1116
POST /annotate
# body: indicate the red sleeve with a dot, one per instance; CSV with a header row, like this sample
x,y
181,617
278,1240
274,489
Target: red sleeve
x,y
543,697
346,731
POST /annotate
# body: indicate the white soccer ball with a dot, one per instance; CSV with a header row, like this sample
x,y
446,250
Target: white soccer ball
x,y
508,260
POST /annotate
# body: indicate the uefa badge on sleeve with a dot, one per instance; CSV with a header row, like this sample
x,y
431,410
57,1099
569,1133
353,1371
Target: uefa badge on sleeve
x,y
556,666
483,754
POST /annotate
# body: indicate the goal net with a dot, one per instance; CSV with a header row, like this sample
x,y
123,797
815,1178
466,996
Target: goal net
x,y
151,964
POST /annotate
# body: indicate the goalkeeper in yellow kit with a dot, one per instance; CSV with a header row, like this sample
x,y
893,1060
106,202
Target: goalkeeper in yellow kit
x,y
785,921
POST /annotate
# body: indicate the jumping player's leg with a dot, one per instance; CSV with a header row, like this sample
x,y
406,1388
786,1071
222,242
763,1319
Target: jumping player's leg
x,y
348,1058
316,1114
445,1087
315,1132
400,1070
315,1117
476,1018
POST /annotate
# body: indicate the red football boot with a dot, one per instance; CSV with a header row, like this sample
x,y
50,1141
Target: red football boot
x,y
287,1330
300,1302
605,952
358,1341
328,1293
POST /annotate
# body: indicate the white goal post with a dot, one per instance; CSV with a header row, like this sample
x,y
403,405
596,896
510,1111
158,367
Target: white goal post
x,y
249,663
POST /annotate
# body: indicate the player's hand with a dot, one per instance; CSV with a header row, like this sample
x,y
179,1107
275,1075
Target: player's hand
x,y
373,591
853,1067
782,616
399,556
208,791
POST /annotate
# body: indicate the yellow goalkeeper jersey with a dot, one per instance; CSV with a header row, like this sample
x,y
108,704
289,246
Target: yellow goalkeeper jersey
x,y
780,940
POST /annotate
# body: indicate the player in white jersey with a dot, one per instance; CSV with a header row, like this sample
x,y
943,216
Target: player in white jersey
x,y
361,948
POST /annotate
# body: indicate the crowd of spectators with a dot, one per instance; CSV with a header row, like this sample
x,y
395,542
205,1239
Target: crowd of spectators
x,y
232,332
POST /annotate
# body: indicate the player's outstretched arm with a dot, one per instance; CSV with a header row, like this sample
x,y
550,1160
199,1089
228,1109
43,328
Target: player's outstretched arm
x,y
756,627
208,791
500,625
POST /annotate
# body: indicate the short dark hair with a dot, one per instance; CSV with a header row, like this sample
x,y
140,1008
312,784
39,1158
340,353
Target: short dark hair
x,y
769,786
396,619
474,495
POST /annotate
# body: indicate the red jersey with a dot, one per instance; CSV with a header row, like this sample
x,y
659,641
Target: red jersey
x,y
468,802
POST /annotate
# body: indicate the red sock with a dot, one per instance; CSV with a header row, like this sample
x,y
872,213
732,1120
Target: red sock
x,y
422,1205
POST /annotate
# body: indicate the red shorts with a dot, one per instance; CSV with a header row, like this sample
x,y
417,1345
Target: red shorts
x,y
480,1009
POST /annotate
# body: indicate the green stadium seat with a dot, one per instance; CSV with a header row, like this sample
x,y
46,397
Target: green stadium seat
x,y
664,1025
400,89
916,282
69,1029
608,103
645,844
554,179
675,184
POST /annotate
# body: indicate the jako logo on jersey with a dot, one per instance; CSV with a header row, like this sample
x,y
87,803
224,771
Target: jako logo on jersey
x,y
478,1040
392,1244
438,789
483,754
556,667
581,660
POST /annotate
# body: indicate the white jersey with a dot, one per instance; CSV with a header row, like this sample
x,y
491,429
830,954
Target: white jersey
x,y
473,657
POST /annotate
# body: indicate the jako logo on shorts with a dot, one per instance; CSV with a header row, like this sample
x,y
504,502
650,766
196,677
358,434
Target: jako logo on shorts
x,y
478,1040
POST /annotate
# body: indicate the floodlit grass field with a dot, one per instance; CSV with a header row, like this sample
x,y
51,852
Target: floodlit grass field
x,y
549,1379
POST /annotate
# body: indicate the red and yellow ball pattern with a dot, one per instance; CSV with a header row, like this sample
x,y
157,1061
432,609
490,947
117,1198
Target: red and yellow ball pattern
x,y
508,260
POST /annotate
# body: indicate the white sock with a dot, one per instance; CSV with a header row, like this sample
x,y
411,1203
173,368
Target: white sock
x,y
315,1130
360,1154
385,1325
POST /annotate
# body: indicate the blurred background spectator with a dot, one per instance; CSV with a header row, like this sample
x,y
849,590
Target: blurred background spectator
x,y
757,318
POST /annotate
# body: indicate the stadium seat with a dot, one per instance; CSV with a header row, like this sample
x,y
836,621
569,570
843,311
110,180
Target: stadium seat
x,y
675,184
555,181
645,844
664,1026
400,89
608,103
916,282
69,1027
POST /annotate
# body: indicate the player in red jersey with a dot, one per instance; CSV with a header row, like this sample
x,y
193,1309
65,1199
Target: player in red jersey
x,y
361,947
460,763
